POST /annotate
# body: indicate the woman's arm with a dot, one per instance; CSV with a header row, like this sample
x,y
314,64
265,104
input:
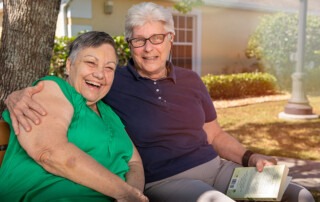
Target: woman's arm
x,y
230,148
48,145
135,176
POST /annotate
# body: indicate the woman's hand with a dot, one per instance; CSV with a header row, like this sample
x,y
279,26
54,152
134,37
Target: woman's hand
x,y
22,107
134,195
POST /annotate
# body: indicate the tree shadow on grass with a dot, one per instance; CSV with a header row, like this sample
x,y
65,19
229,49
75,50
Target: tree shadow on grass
x,y
303,172
296,140
289,139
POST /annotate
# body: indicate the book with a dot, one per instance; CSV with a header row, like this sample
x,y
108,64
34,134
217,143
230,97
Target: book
x,y
269,185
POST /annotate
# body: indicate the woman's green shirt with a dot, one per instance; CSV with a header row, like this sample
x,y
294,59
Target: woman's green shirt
x,y
103,138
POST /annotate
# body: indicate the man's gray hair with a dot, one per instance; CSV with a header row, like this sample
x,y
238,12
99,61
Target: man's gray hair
x,y
142,13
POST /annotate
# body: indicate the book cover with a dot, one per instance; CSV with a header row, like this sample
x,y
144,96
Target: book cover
x,y
269,185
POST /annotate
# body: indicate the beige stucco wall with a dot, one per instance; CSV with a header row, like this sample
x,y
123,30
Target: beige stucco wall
x,y
224,33
111,23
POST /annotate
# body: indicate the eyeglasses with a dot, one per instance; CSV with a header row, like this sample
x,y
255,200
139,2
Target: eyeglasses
x,y
154,39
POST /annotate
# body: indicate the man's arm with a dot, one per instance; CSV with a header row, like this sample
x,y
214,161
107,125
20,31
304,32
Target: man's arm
x,y
23,108
230,148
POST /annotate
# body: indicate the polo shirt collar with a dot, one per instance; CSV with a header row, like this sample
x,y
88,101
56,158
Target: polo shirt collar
x,y
171,76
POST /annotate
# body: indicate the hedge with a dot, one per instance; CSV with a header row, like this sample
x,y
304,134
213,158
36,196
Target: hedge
x,y
240,85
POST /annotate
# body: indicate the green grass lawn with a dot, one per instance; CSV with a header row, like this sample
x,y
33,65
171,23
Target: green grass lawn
x,y
258,127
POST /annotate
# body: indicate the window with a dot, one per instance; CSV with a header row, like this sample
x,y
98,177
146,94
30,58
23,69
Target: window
x,y
186,43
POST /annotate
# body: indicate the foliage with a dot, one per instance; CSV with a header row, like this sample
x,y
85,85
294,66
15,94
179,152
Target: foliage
x,y
123,49
60,53
239,85
59,56
312,84
186,6
274,43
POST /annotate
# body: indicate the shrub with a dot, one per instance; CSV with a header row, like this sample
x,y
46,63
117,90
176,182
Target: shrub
x,y
240,85
59,55
123,50
274,44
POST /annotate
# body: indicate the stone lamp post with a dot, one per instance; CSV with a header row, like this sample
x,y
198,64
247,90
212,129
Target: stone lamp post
x,y
298,106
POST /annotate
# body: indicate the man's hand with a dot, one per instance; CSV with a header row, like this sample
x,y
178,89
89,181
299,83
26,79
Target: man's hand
x,y
260,161
22,107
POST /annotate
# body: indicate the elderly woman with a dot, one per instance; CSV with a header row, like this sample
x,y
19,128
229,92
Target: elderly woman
x,y
170,117
80,151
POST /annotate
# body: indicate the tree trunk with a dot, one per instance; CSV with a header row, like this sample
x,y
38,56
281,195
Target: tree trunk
x,y
26,43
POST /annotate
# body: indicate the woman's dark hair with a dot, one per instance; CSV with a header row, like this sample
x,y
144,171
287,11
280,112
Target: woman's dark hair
x,y
90,39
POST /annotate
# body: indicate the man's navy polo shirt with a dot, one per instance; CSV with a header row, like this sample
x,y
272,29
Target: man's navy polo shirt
x,y
164,119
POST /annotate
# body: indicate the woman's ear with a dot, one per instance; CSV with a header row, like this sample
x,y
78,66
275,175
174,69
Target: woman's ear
x,y
171,37
68,66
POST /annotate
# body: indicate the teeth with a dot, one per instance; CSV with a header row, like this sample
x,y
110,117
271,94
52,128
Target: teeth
x,y
150,58
93,83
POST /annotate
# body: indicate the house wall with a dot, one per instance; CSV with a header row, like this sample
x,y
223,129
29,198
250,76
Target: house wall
x,y
224,30
110,23
225,33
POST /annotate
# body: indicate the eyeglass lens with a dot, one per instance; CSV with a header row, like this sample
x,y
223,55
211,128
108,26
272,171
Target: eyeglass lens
x,y
154,39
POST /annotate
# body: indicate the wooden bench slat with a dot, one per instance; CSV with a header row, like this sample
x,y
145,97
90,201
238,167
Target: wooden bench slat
x,y
4,138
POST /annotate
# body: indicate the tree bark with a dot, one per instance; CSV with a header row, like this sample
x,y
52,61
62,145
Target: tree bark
x,y
26,43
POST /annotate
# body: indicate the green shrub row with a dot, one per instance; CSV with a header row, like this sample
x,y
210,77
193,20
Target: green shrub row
x,y
240,85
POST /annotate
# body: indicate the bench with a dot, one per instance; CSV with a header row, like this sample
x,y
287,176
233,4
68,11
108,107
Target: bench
x,y
4,138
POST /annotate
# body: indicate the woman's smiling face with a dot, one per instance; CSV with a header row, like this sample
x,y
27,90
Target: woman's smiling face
x,y
92,72
150,59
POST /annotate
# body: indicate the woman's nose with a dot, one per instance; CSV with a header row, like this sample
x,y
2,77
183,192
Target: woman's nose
x,y
148,46
98,74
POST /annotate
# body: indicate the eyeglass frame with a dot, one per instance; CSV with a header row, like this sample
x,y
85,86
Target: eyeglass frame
x,y
129,41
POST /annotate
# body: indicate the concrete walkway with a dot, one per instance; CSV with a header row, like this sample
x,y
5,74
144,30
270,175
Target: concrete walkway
x,y
303,172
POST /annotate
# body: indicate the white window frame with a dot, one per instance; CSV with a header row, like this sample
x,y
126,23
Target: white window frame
x,y
197,32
